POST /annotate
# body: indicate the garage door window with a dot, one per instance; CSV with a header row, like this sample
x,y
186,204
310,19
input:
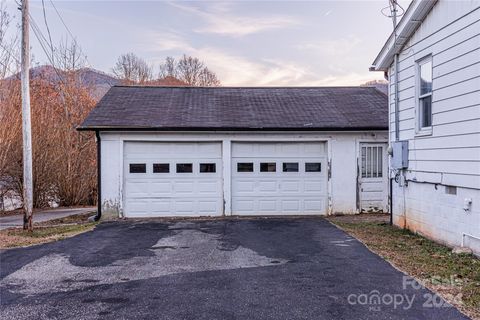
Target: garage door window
x,y
138,168
313,167
268,167
290,167
161,168
245,167
208,167
184,168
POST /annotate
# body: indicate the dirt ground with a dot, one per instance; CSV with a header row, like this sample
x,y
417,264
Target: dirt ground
x,y
360,218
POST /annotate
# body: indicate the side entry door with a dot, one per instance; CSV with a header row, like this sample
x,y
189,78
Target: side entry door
x,y
373,177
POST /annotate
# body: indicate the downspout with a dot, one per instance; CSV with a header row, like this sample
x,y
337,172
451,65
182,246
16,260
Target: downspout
x,y
397,114
391,201
396,102
99,177
397,127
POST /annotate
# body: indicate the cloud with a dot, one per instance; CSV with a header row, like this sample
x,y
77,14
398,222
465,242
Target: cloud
x,y
234,69
220,20
335,48
167,41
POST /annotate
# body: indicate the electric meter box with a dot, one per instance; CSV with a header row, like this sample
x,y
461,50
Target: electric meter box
x,y
400,155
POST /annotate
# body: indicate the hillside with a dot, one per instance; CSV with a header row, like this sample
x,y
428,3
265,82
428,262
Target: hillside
x,y
98,81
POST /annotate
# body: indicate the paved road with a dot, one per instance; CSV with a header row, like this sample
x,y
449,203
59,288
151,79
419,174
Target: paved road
x,y
228,269
41,216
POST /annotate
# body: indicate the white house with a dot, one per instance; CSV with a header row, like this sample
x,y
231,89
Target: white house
x,y
432,61
182,151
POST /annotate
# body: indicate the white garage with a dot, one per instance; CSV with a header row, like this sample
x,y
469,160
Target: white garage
x,y
277,178
190,152
172,179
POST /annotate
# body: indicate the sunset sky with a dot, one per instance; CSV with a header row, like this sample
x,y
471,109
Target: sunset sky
x,y
246,43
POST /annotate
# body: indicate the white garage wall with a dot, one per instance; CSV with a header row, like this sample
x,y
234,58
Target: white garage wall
x,y
342,154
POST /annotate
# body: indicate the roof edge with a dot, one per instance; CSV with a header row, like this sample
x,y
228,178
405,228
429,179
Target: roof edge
x,y
240,129
413,17
240,87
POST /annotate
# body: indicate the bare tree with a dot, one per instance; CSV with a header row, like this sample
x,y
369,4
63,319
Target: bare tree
x,y
168,68
8,44
132,69
208,79
69,56
63,158
189,70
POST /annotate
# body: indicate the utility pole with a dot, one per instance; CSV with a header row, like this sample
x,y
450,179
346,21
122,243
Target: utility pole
x,y
26,122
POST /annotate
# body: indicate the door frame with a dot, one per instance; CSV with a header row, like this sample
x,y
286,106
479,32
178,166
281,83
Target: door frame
x,y
385,175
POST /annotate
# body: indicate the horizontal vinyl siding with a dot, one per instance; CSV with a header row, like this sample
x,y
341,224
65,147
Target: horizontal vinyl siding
x,y
451,155
469,154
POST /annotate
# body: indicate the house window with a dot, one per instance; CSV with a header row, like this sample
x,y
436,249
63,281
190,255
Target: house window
x,y
268,167
313,167
138,168
424,83
184,167
245,167
208,167
290,167
161,168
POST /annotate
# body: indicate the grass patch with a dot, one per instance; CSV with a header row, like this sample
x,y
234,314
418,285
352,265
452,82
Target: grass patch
x,y
76,218
17,237
450,275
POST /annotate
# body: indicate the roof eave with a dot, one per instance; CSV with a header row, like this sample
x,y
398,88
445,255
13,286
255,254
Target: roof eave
x,y
409,23
191,129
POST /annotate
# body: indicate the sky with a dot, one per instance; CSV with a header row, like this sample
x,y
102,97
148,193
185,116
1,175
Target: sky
x,y
246,43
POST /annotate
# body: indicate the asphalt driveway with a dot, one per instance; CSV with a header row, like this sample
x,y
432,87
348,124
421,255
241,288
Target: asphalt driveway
x,y
224,269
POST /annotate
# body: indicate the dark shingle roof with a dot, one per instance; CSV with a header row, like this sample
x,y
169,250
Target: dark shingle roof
x,y
224,108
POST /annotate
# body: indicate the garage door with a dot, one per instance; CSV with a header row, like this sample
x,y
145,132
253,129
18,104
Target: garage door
x,y
279,178
172,179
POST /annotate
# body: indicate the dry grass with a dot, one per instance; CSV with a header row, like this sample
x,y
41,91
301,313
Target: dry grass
x,y
452,276
48,231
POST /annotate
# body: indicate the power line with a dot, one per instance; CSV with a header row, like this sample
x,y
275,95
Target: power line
x,y
9,53
63,22
46,25
68,29
7,67
42,40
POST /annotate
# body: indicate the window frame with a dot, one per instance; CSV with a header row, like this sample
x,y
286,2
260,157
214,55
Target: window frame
x,y
184,164
213,164
268,163
133,164
313,163
160,164
286,169
247,163
419,130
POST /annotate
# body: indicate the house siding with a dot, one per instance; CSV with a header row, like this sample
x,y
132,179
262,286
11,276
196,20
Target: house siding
x,y
451,35
450,156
